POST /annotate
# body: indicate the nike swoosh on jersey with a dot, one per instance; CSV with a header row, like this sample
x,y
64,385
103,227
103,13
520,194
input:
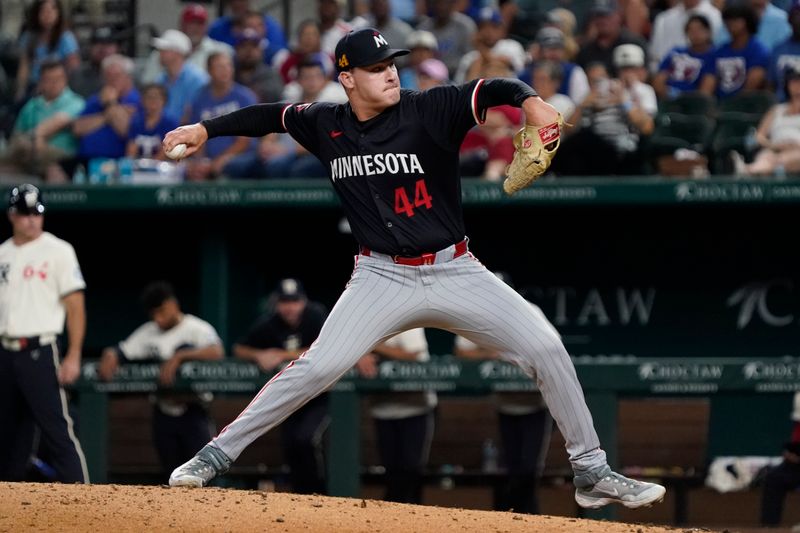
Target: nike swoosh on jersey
x,y
336,133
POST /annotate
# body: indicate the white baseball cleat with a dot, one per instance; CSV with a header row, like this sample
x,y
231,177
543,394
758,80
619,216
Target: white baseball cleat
x,y
198,471
616,488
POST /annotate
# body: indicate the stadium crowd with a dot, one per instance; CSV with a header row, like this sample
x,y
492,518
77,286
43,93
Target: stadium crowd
x,y
648,86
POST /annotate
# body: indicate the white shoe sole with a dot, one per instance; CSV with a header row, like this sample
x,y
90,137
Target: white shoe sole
x,y
185,481
655,494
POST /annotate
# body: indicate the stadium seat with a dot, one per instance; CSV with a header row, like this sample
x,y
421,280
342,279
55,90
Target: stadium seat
x,y
757,102
689,103
677,130
735,130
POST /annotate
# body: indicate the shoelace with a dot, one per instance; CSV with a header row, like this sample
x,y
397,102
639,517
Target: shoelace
x,y
625,483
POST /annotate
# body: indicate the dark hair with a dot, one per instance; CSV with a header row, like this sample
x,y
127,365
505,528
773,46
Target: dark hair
x,y
789,74
158,87
310,61
742,11
213,57
702,19
33,27
155,294
50,64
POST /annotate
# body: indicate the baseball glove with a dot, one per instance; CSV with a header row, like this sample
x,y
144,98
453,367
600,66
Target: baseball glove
x,y
534,149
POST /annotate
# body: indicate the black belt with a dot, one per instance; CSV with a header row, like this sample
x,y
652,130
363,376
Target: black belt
x,y
17,344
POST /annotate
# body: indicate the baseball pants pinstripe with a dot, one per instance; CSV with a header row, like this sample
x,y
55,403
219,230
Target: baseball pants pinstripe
x,y
459,295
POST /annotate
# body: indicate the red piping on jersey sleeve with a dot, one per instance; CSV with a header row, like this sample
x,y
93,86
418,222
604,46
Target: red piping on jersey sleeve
x,y
283,117
474,102
796,433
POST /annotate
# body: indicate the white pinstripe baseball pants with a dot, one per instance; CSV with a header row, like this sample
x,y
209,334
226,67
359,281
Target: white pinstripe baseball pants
x,y
459,295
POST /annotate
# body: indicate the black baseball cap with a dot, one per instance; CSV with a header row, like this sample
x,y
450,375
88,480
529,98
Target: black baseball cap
x,y
364,47
25,199
290,289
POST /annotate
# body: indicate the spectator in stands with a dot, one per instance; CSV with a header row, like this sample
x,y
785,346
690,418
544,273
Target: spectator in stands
x,y
423,46
547,78
282,156
431,73
607,33
183,80
564,20
615,115
778,136
180,420
786,55
194,23
42,142
772,23
307,41
488,148
88,77
404,421
525,428
252,72
490,42
381,17
783,478
332,26
453,31
221,95
669,28
313,84
635,15
103,125
741,64
550,46
682,68
150,125
227,26
45,36
279,337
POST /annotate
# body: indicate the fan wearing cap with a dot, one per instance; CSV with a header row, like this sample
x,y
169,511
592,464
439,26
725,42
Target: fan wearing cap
x,y
194,23
550,45
41,287
250,69
182,79
392,158
88,77
283,334
422,45
607,32
614,117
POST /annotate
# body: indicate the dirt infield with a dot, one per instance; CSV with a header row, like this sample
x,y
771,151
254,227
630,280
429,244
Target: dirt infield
x,y
130,508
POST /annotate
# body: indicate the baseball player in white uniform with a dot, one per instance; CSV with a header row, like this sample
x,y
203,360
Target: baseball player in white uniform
x,y
180,420
41,285
404,421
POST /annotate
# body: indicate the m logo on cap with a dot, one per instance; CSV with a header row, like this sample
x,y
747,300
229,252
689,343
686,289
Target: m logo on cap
x,y
379,40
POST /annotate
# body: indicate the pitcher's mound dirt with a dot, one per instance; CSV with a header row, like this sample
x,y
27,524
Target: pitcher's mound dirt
x,y
130,508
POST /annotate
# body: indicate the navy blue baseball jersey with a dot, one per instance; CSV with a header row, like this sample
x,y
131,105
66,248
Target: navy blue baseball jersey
x,y
396,174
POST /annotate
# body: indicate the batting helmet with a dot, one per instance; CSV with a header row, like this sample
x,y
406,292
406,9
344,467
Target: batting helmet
x,y
26,199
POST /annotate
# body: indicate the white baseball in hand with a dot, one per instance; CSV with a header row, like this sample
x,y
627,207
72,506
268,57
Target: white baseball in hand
x,y
177,151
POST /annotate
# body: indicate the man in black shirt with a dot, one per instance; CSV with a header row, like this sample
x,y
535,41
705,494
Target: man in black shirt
x,y
392,157
279,337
